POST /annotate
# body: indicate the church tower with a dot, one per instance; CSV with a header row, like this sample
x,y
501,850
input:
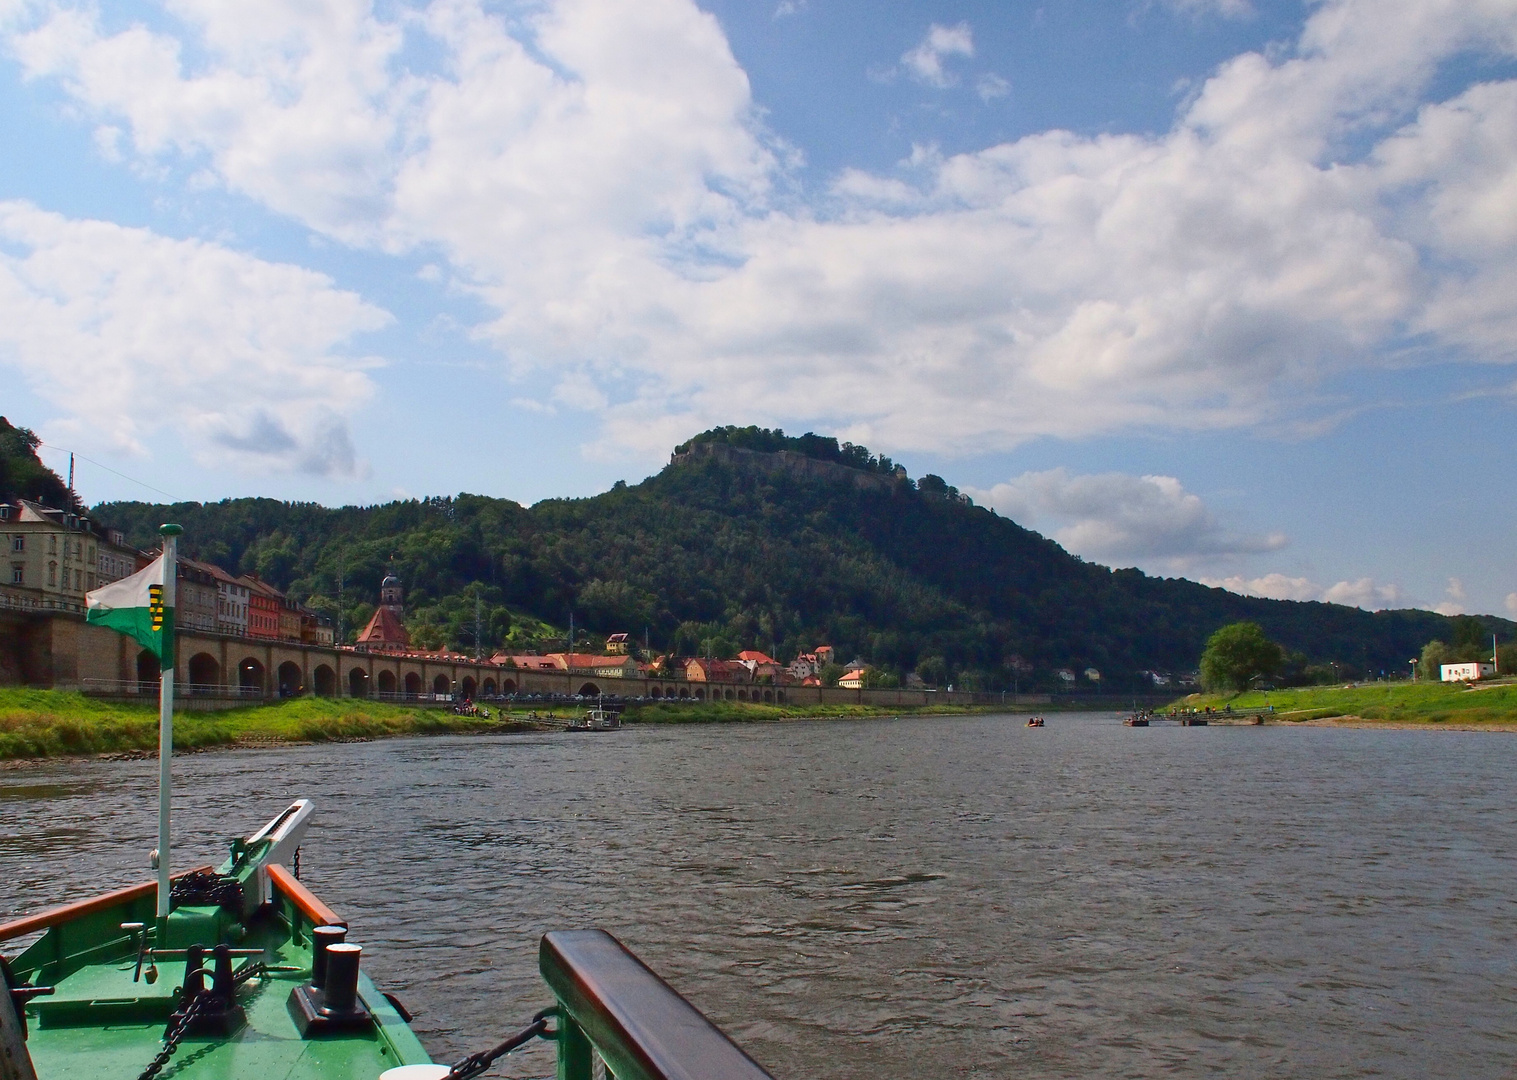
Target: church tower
x,y
390,593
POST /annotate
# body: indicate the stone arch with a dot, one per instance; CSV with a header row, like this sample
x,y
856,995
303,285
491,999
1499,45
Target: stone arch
x,y
413,684
769,696
386,682
684,692
779,697
589,690
508,686
291,681
727,694
742,695
250,677
467,687
358,683
700,693
326,681
204,673
148,669
441,685
488,689
654,692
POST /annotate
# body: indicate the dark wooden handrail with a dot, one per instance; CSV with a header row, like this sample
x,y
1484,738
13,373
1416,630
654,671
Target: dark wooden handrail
x,y
32,923
303,898
637,1022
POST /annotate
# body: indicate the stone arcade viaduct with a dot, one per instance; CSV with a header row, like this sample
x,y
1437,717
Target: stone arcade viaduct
x,y
215,670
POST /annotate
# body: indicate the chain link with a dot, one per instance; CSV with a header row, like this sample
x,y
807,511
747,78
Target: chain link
x,y
475,1064
175,1035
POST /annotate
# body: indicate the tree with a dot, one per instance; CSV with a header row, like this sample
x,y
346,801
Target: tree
x,y
1236,654
1434,655
830,674
932,670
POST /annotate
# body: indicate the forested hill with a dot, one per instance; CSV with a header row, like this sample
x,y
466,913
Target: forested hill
x,y
748,542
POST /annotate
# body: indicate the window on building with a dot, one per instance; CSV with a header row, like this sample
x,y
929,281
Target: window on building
x,y
18,575
52,573
18,544
52,545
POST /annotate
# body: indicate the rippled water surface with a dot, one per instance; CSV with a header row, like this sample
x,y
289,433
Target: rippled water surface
x,y
914,898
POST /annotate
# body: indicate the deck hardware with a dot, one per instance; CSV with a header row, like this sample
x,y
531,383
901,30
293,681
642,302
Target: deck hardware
x,y
323,938
335,1005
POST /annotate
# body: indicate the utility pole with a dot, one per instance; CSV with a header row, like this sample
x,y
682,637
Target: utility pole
x,y
1495,656
341,637
71,480
476,625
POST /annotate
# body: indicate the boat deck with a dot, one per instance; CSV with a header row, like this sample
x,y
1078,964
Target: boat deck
x,y
68,1038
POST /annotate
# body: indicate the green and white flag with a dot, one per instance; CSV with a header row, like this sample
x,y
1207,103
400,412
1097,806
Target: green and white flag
x,y
134,606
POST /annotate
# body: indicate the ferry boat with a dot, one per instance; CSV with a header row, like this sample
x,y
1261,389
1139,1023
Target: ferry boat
x,y
597,719
250,977
1136,720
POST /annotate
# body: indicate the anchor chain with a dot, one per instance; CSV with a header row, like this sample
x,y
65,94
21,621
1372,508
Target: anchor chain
x,y
475,1064
176,1034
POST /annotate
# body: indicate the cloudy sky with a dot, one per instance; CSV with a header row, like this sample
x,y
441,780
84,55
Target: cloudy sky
x,y
1220,288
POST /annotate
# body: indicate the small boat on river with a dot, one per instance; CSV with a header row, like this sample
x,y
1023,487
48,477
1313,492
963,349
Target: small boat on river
x,y
597,719
1136,720
1034,721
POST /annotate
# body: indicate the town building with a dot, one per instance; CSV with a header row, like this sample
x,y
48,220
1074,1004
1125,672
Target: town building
x,y
698,669
853,679
195,597
1471,672
263,608
612,667
54,557
618,645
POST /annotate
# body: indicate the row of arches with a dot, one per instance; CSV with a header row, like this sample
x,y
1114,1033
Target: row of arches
x,y
251,680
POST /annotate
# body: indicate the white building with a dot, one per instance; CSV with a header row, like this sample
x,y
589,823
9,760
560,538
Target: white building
x,y
1467,672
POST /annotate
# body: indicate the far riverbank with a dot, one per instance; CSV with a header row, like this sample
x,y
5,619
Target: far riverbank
x,y
40,724
1485,706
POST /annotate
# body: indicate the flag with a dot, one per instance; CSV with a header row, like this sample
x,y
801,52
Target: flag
x,y
134,606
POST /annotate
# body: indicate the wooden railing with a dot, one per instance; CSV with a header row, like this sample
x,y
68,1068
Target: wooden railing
x,y
302,899
79,909
612,1005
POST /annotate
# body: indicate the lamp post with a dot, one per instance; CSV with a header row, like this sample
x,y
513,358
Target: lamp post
x,y
1413,662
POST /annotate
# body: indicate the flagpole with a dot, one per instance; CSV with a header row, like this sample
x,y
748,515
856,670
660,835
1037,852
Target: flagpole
x,y
166,712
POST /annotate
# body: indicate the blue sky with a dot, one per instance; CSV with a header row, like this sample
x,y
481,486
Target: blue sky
x,y
1218,288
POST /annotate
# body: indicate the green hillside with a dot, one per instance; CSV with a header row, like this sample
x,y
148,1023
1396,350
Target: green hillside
x,y
750,539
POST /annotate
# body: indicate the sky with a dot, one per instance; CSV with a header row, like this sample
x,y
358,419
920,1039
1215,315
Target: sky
x,y
1223,289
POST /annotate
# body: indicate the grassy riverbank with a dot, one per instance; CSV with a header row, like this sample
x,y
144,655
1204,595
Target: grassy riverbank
x,y
1487,705
52,723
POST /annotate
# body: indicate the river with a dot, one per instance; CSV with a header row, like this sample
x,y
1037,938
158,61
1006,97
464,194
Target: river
x,y
920,898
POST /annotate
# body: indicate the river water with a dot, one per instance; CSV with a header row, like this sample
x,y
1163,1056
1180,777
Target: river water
x,y
927,897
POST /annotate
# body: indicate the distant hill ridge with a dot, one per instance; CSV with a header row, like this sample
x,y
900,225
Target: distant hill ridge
x,y
753,539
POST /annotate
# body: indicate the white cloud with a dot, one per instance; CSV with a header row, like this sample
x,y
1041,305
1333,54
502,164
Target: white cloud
x,y
1511,603
991,87
1120,518
925,62
127,332
1231,9
1454,599
1364,593
594,171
